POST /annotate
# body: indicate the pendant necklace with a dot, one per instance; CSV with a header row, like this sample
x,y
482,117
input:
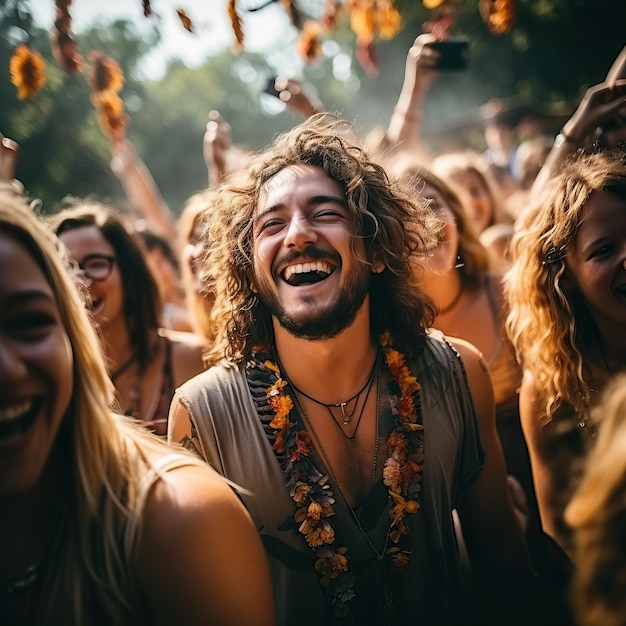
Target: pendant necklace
x,y
387,599
346,417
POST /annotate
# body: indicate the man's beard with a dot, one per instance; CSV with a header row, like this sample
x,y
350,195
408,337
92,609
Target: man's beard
x,y
327,324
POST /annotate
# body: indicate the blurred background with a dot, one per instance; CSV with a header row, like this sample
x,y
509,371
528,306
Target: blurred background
x,y
176,71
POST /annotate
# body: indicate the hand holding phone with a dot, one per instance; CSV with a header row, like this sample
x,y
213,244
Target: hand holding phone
x,y
270,87
453,54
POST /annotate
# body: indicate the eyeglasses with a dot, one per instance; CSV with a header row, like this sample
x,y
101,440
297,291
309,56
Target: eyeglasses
x,y
97,267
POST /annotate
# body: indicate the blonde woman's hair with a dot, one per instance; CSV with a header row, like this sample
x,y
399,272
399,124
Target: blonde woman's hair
x,y
453,164
473,256
88,576
198,303
548,322
597,514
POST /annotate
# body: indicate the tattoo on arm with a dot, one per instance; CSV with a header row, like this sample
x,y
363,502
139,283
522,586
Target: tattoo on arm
x,y
191,442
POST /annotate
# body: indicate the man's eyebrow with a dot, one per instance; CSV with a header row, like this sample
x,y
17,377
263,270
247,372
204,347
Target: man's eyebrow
x,y
311,202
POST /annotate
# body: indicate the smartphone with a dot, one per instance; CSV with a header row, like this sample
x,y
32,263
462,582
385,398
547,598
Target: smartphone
x,y
270,87
453,54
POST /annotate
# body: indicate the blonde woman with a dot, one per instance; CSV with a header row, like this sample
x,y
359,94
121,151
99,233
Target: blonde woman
x,y
597,514
102,523
485,203
567,296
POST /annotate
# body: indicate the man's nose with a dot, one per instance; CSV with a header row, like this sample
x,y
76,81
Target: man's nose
x,y
300,233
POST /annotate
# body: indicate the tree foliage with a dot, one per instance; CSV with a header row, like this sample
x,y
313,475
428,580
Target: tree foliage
x,y
556,49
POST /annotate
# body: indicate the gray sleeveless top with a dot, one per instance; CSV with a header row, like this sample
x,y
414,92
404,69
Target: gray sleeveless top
x,y
428,591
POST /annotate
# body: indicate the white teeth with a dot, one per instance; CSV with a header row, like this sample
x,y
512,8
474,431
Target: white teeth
x,y
15,411
304,268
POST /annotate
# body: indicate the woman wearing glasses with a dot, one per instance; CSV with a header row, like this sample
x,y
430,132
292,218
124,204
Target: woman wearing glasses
x,y
146,363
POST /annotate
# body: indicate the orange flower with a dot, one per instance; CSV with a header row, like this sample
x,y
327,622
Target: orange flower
x,y
330,566
282,405
313,537
499,15
279,444
111,115
105,74
309,46
303,439
26,69
314,512
402,507
279,422
363,22
395,361
398,442
389,20
405,406
301,493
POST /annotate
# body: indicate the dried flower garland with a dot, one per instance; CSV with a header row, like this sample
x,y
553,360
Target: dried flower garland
x,y
106,80
26,68
64,47
312,494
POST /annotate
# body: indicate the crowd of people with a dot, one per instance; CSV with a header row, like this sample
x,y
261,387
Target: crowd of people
x,y
352,383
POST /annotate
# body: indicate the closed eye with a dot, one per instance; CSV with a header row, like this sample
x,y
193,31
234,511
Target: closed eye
x,y
271,223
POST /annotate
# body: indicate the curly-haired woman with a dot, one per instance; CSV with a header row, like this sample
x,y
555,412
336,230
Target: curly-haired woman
x,y
567,296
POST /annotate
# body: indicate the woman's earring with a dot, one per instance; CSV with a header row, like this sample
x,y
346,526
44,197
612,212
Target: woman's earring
x,y
459,263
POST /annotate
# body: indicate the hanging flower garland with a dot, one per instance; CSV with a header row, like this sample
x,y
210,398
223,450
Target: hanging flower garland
x,y
312,494
26,68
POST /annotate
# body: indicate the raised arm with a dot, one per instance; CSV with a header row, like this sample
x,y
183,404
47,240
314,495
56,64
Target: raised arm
x,y
200,559
141,189
295,97
601,103
403,132
216,145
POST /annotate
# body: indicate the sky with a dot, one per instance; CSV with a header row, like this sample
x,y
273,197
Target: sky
x,y
264,30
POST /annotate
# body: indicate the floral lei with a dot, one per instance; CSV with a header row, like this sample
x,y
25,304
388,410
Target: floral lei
x,y
310,489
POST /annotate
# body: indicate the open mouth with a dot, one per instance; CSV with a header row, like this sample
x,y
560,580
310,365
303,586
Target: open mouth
x,y
16,419
95,305
307,273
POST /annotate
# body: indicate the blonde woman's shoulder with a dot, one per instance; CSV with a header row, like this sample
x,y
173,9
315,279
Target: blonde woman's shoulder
x,y
199,553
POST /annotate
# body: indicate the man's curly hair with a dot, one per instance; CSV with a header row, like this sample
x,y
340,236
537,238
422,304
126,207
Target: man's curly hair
x,y
392,225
